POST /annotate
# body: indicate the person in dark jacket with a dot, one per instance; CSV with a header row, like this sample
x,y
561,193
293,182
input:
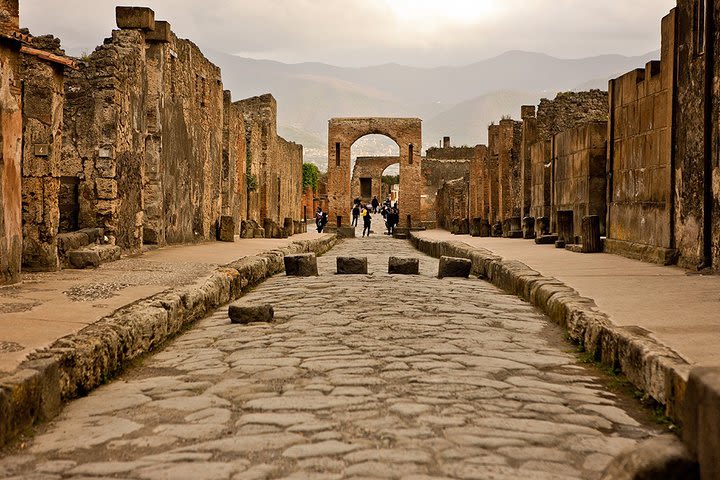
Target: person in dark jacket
x,y
375,204
355,214
320,220
393,219
367,220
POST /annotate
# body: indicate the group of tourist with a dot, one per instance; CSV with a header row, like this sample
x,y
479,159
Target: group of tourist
x,y
389,212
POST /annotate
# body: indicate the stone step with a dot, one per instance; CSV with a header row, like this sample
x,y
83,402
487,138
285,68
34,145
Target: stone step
x,y
93,256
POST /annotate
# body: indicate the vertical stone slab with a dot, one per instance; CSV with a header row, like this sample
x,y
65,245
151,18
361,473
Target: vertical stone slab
x,y
565,227
11,145
701,419
591,241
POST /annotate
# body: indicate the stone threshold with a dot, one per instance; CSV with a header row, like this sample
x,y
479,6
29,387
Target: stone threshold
x,y
650,365
77,364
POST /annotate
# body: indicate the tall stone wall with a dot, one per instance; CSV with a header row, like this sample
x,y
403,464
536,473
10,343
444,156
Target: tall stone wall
x,y
234,178
441,165
476,188
11,145
275,163
451,206
640,157
529,137
580,155
541,179
509,166
714,137
490,174
44,96
370,168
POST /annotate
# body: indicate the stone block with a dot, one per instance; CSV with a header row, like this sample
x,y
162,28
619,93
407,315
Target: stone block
x,y
243,313
71,241
664,456
106,188
162,32
135,17
403,266
95,235
476,227
107,253
226,229
301,265
289,226
345,232
352,265
701,419
529,228
546,240
84,259
454,267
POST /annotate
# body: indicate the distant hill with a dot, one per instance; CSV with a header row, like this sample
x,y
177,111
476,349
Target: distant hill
x,y
456,101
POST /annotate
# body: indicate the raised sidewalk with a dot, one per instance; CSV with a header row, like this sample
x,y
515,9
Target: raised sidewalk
x,y
63,333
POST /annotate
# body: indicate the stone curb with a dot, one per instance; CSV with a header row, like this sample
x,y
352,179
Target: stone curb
x,y
648,364
76,364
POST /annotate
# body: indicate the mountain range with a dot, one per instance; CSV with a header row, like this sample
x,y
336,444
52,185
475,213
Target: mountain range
x,y
459,101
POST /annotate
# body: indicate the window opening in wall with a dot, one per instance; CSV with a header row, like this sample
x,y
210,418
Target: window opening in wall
x,y
337,154
699,23
410,154
69,204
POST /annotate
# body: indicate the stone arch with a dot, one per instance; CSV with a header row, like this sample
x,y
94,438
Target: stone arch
x,y
373,168
344,132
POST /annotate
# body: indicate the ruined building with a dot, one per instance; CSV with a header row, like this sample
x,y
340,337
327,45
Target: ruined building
x,y
135,144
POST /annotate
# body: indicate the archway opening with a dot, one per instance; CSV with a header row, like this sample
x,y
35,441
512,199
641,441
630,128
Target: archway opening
x,y
391,183
370,156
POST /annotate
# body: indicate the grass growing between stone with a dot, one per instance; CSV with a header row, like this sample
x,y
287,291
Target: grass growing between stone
x,y
615,381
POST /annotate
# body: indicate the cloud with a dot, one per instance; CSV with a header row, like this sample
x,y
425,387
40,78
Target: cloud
x,y
363,32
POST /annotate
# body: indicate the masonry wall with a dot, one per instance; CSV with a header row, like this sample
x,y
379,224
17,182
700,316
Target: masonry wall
x,y
275,163
476,184
490,175
580,177
44,95
529,137
10,146
234,179
372,168
451,203
441,165
541,179
570,109
509,166
640,157
714,138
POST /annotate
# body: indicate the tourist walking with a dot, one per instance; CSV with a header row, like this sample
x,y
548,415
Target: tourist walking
x,y
375,204
320,220
355,214
393,219
367,220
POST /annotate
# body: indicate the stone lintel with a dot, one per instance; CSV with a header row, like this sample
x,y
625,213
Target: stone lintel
x,y
142,18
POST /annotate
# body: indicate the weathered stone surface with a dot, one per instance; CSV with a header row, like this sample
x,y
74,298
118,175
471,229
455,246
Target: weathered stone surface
x,y
135,17
701,419
454,267
352,265
240,312
301,265
84,258
529,228
226,230
403,266
345,232
546,239
660,457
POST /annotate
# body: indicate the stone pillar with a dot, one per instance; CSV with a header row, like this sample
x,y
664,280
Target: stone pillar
x,y
565,227
446,142
591,241
11,145
529,228
542,226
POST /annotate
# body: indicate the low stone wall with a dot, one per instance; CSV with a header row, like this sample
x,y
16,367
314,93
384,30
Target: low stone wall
x,y
649,365
77,364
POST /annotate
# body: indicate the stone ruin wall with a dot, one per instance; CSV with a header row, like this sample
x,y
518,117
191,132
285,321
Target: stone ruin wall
x,y
509,181
570,109
373,168
580,177
10,157
441,165
44,91
140,140
641,155
451,206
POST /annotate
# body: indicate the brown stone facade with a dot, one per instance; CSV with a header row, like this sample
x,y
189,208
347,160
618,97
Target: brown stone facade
x,y
451,206
578,163
640,156
11,144
509,167
441,165
136,144
541,179
44,97
343,132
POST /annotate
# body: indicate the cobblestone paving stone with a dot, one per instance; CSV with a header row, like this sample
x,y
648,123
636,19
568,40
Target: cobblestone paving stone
x,y
371,376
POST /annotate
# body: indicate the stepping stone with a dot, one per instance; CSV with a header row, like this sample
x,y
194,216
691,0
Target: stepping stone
x,y
454,267
243,313
352,265
346,232
301,265
403,266
84,259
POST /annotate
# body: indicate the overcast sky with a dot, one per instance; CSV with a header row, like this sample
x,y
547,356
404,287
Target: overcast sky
x,y
370,32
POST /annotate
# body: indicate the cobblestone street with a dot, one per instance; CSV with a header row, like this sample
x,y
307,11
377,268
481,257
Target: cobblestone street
x,y
371,376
